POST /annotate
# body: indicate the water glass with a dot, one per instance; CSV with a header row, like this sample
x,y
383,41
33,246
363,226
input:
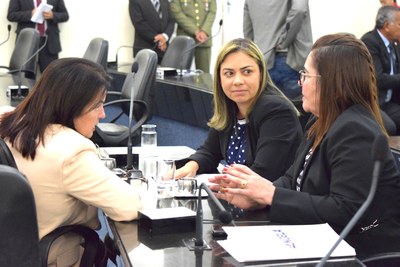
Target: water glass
x,y
149,136
166,178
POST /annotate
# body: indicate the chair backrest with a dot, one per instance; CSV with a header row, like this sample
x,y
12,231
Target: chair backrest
x,y
19,237
179,53
97,51
142,83
6,157
26,45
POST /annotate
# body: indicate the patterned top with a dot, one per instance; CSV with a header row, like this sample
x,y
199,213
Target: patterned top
x,y
236,152
301,174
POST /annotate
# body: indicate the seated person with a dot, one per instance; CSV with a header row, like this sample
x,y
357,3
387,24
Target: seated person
x,y
253,122
331,175
48,134
382,44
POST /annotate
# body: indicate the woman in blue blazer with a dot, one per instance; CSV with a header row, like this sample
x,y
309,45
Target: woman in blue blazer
x,y
332,171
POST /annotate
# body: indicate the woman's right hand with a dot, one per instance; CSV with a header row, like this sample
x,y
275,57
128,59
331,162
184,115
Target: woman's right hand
x,y
188,170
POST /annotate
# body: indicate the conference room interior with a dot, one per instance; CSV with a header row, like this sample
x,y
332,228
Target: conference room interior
x,y
133,242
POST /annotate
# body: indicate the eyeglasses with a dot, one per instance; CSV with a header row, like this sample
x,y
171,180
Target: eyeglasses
x,y
304,74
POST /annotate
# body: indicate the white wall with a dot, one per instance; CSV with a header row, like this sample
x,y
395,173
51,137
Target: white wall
x,y
110,20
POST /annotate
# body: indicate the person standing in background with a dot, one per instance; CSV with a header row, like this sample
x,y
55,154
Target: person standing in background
x,y
153,24
282,30
21,11
195,19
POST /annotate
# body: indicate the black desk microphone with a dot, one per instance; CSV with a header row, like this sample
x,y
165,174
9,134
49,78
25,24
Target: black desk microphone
x,y
8,34
225,217
129,156
378,153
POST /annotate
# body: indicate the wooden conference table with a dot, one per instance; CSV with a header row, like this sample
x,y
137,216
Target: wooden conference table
x,y
137,247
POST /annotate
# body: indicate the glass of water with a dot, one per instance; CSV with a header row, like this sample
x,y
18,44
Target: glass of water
x,y
149,136
166,178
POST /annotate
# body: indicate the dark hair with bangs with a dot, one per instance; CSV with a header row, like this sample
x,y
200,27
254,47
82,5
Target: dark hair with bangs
x,y
61,94
347,78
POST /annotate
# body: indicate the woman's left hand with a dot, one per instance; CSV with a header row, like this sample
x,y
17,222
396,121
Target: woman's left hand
x,y
242,187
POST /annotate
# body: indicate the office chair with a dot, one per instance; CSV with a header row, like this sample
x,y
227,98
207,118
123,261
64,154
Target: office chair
x,y
141,85
19,235
97,51
180,53
25,47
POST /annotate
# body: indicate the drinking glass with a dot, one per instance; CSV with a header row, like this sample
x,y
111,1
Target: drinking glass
x,y
166,178
149,136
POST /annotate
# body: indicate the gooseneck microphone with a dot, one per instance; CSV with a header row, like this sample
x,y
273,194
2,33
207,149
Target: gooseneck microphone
x,y
129,156
198,44
224,216
8,34
379,149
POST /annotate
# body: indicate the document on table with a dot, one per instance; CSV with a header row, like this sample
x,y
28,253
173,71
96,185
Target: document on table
x,y
283,242
38,15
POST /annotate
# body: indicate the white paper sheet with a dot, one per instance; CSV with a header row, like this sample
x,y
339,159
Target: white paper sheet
x,y
156,214
38,15
282,242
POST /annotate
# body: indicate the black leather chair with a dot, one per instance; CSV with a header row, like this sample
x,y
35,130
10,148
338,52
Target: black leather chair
x,y
22,58
19,236
97,51
141,85
180,53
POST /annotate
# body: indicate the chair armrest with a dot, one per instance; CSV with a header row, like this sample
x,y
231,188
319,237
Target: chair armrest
x,y
91,245
117,93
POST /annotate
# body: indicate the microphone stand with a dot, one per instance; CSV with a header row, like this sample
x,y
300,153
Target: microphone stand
x,y
198,44
8,34
129,156
225,217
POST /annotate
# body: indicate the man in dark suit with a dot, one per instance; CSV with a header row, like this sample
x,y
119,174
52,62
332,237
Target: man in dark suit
x,y
383,47
153,28
21,11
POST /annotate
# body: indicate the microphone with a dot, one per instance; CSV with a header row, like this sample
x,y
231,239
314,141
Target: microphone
x,y
8,34
200,43
225,217
116,55
129,157
378,153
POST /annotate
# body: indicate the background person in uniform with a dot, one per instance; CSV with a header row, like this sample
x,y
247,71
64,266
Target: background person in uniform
x,y
195,19
282,30
153,24
21,11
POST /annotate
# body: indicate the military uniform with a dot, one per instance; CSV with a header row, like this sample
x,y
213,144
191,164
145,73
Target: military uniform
x,y
192,16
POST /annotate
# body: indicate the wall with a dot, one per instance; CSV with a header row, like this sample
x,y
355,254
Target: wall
x,y
110,20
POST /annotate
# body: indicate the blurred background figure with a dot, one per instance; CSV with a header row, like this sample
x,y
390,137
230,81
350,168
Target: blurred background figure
x,y
21,11
389,3
195,19
282,30
154,25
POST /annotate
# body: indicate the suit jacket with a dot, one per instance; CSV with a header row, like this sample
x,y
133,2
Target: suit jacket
x,y
279,22
381,59
69,183
191,16
337,181
21,11
148,24
273,135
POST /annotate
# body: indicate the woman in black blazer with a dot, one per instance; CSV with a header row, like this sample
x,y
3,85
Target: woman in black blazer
x,y
331,175
250,112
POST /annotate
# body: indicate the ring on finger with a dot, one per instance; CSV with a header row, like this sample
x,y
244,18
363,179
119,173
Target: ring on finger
x,y
243,184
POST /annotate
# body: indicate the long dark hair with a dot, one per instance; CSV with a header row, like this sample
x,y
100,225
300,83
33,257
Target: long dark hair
x,y
65,88
347,78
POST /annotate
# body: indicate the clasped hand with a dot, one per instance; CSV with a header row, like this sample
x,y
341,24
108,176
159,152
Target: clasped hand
x,y
242,187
